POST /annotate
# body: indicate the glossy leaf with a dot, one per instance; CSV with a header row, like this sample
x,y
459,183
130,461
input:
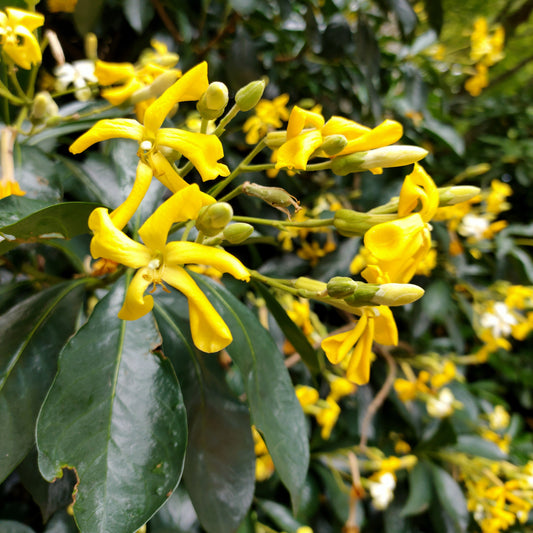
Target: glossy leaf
x,y
11,526
176,516
451,497
38,328
420,491
115,414
275,410
59,221
139,13
294,334
220,462
478,446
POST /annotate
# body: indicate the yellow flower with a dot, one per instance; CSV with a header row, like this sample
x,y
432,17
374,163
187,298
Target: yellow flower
x,y
202,150
306,395
269,115
327,417
8,183
157,262
17,38
307,131
476,83
376,323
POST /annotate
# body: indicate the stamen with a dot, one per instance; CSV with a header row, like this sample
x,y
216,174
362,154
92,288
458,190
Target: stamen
x,y
146,145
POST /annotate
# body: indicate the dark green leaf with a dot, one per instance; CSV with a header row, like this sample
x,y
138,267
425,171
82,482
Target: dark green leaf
x,y
276,412
446,133
294,334
38,328
139,13
115,414
10,526
478,446
451,497
61,522
220,463
435,14
243,7
419,490
60,221
437,434
176,516
337,492
406,16
280,515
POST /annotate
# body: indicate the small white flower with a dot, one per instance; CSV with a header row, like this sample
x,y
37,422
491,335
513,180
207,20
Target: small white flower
x,y
382,491
442,406
499,418
473,226
499,321
78,73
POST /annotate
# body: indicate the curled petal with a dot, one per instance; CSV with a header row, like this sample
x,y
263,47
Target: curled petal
x,y
165,172
388,132
111,243
24,48
418,187
209,332
189,87
109,73
395,239
338,346
184,253
358,370
136,304
182,205
202,150
28,19
300,118
108,129
386,331
295,153
123,213
118,95
343,126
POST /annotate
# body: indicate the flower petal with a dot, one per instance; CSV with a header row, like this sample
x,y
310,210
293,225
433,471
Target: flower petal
x,y
111,243
184,253
165,172
103,130
295,153
118,95
189,87
202,150
209,331
300,118
418,186
28,19
123,213
386,331
388,132
358,370
109,73
343,126
182,205
136,304
338,346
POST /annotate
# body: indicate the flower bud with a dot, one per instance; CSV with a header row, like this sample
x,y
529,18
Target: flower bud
x,y
333,144
213,218
213,102
341,286
248,96
393,294
457,194
274,139
351,223
156,88
275,196
310,288
44,108
91,46
238,232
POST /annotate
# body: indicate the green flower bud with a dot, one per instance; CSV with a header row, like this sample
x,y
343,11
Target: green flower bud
x,y
393,294
44,108
238,232
333,144
248,96
310,288
275,139
213,102
341,286
212,219
351,223
275,196
457,194
91,46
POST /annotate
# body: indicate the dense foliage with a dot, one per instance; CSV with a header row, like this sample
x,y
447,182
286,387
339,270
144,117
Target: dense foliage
x,y
265,266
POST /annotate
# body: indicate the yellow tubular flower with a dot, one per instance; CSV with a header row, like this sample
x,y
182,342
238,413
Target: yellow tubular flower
x,y
418,187
375,324
158,261
17,38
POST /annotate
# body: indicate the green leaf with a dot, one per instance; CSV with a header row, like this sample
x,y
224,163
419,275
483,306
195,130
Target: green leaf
x,y
294,334
420,491
337,492
139,13
276,412
451,497
406,16
176,516
10,526
220,462
280,515
478,446
38,328
437,434
59,221
115,414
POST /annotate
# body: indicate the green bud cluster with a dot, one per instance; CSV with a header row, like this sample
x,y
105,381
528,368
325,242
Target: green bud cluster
x,y
213,102
238,232
212,219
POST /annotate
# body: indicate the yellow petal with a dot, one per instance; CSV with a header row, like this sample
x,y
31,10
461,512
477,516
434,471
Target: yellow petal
x,y
109,73
202,150
189,87
23,48
358,370
209,332
28,19
185,253
108,129
343,126
136,304
118,95
123,213
8,188
111,243
386,331
418,186
388,132
338,346
295,153
300,118
165,172
182,205
395,239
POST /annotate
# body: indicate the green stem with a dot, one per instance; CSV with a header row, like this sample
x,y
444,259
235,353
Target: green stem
x,y
225,121
284,285
258,168
235,192
220,186
313,223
